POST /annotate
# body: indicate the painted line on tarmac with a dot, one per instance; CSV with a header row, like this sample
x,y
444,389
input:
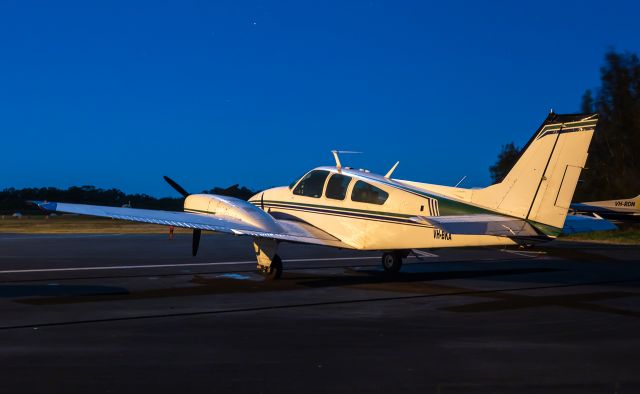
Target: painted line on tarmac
x,y
104,268
36,325
422,253
524,253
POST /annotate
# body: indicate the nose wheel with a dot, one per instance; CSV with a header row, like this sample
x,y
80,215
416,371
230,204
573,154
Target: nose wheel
x,y
391,262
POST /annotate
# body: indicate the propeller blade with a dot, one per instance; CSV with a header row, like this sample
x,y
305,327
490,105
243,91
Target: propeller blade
x,y
262,201
196,241
174,185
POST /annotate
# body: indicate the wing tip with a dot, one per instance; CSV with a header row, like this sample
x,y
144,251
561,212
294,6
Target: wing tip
x,y
45,205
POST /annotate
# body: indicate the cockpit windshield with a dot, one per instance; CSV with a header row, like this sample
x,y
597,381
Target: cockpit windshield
x,y
296,181
311,185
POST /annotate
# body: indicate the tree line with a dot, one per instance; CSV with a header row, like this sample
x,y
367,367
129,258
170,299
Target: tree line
x,y
15,200
613,167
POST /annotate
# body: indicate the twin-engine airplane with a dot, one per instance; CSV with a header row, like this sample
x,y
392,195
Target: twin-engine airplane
x,y
626,210
355,209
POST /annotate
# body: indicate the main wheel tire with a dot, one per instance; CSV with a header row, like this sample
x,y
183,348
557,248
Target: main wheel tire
x,y
391,262
275,271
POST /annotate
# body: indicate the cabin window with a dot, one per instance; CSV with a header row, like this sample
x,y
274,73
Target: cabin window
x,y
311,185
364,192
337,186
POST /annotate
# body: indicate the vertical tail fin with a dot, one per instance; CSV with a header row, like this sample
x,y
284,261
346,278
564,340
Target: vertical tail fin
x,y
540,186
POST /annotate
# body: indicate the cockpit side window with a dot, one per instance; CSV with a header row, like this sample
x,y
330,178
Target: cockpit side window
x,y
364,192
311,185
337,186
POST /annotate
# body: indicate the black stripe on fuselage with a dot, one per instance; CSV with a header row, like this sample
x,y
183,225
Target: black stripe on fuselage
x,y
341,213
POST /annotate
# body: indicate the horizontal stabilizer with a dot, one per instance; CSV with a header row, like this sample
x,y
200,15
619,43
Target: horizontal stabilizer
x,y
482,225
585,224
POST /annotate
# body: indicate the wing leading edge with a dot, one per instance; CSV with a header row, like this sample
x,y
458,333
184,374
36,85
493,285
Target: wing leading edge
x,y
284,230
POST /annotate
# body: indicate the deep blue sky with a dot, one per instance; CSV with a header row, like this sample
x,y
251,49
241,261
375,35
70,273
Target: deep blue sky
x,y
257,92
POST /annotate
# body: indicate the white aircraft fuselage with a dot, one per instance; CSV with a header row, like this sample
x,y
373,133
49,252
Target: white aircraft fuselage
x,y
392,224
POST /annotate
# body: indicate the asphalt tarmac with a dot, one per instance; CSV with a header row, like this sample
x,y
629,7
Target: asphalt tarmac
x,y
138,314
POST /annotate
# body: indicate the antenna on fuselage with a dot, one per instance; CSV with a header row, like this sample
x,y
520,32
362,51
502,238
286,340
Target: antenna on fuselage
x,y
391,170
460,181
335,156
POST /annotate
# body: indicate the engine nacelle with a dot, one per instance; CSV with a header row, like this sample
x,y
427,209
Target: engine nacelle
x,y
231,208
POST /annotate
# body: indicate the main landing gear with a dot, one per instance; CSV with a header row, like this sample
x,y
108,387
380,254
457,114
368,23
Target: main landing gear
x,y
269,263
392,261
274,271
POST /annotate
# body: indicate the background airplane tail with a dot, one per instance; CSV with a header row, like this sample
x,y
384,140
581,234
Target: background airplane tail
x,y
540,186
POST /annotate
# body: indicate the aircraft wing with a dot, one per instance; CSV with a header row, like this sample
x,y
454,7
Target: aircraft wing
x,y
482,224
581,207
283,230
584,224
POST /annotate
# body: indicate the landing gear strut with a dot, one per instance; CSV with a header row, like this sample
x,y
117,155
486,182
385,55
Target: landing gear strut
x,y
269,263
392,262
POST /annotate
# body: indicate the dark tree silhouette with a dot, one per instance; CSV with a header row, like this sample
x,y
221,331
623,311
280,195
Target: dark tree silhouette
x,y
233,191
12,200
587,102
506,159
613,164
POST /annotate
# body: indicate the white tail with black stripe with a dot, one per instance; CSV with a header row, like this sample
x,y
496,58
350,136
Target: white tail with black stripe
x,y
540,186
